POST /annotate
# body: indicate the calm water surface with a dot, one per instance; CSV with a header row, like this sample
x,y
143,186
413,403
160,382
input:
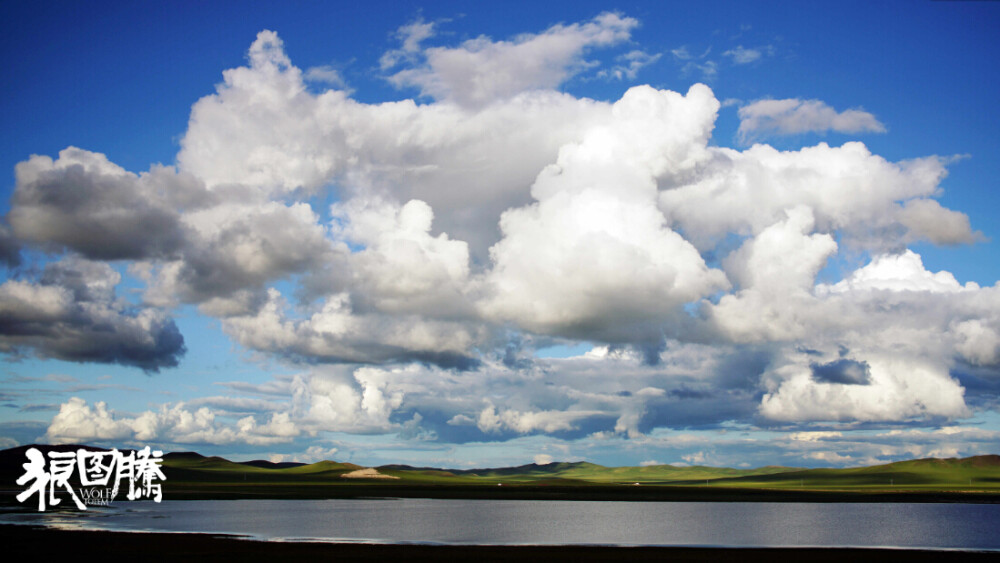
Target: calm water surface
x,y
514,522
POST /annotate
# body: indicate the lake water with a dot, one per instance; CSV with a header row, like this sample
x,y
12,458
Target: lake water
x,y
521,522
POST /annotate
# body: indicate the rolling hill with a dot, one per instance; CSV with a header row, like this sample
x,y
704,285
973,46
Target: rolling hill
x,y
192,475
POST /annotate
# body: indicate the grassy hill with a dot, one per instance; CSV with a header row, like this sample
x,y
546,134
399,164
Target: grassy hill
x,y
593,473
190,467
974,473
191,475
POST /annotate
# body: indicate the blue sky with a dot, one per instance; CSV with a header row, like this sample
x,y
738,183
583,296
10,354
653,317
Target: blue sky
x,y
468,235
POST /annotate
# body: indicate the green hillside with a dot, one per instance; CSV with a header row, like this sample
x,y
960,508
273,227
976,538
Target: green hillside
x,y
191,475
972,473
975,473
190,467
593,473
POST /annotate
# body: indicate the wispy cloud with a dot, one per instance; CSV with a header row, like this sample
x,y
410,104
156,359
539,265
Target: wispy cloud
x,y
795,116
692,64
327,75
629,65
482,70
741,55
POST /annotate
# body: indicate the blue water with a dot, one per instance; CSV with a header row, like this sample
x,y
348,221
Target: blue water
x,y
524,522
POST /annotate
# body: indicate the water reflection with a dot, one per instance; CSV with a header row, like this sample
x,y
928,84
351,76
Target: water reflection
x,y
510,522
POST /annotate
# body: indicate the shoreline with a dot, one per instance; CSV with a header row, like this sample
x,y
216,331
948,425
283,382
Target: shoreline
x,y
671,494
548,493
35,542
598,492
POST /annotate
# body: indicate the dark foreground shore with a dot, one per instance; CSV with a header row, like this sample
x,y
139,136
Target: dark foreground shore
x,y
590,492
29,543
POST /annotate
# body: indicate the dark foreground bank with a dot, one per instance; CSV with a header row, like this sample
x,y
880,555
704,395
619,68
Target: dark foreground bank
x,y
29,543
588,492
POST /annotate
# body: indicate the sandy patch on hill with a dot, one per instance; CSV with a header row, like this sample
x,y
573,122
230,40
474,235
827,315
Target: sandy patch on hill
x,y
367,473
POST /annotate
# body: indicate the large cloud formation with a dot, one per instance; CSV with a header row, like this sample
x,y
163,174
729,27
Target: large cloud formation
x,y
498,217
